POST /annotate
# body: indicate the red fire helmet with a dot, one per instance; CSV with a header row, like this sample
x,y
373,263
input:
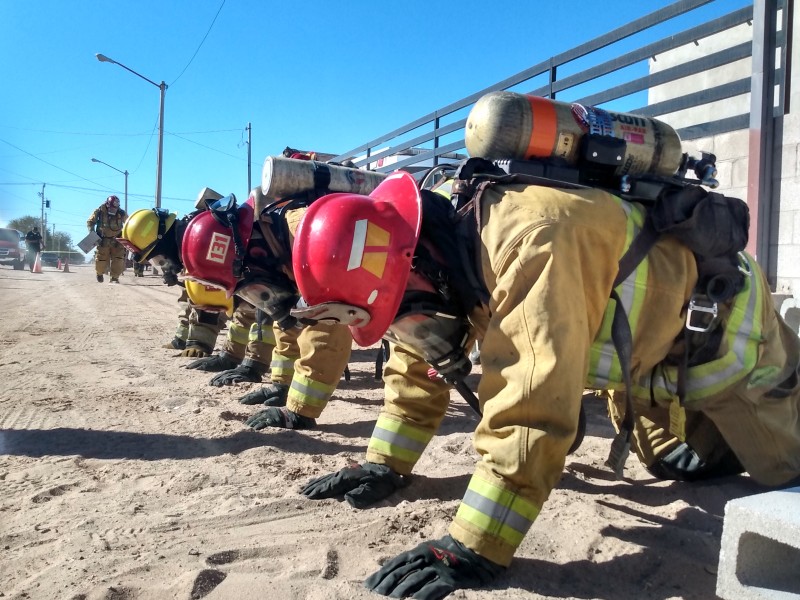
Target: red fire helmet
x,y
356,251
208,249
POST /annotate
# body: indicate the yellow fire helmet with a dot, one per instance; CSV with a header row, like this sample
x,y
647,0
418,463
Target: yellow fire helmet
x,y
143,230
208,298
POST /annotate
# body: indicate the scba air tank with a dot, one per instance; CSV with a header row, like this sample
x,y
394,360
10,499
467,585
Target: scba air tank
x,y
507,125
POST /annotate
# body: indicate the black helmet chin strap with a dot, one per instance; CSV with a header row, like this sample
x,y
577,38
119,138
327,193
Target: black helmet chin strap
x,y
238,247
226,212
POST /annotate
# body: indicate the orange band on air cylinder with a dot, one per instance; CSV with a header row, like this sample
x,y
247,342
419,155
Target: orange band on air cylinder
x,y
544,127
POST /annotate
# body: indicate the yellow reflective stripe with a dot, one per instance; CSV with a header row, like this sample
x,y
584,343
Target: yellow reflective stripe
x,y
743,334
766,375
604,367
310,392
398,440
267,335
384,448
182,331
282,365
497,511
238,334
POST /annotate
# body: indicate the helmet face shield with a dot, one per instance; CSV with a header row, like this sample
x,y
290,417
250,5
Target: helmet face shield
x,y
434,333
132,248
112,205
273,298
332,312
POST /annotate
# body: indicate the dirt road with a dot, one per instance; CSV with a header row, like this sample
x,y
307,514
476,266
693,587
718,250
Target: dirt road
x,y
125,476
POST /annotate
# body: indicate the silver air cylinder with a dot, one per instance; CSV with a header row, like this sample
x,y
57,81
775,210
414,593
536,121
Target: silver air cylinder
x,y
284,177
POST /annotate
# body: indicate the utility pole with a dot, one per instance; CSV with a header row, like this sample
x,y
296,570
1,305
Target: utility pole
x,y
53,235
249,140
41,219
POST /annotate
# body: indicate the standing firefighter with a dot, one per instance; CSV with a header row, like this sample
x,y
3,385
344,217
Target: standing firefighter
x,y
530,270
107,221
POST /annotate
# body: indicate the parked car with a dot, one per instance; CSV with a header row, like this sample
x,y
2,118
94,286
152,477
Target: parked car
x,y
12,248
49,259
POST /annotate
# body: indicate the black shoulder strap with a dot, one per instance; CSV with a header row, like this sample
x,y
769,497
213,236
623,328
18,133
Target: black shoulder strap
x,y
623,341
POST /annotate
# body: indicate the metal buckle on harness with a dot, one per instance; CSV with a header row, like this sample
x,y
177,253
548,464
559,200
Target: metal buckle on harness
x,y
744,265
695,308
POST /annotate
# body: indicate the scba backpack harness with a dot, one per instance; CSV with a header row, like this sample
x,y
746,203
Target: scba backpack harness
x,y
714,227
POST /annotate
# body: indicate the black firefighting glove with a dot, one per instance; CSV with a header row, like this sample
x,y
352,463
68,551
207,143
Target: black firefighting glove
x,y
240,374
361,485
175,343
214,364
432,570
280,417
195,350
274,394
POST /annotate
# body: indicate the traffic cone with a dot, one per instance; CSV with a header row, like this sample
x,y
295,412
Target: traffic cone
x,y
66,266
37,264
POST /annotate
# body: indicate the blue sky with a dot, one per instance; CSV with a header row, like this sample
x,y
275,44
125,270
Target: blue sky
x,y
315,75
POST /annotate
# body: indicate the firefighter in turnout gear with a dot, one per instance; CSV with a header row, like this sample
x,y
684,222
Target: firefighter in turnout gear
x,y
306,365
256,354
245,353
241,332
530,270
154,235
107,221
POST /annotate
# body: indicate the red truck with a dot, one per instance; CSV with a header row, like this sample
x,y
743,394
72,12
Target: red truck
x,y
12,248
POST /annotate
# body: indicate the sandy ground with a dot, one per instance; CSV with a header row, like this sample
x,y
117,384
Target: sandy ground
x,y
124,476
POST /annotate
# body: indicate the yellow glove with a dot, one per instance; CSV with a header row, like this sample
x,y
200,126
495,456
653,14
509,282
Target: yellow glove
x,y
194,352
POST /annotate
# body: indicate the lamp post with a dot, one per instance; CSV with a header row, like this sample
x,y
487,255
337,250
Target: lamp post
x,y
163,88
126,180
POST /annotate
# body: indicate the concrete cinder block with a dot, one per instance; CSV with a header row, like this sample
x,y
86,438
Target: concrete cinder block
x,y
790,312
759,556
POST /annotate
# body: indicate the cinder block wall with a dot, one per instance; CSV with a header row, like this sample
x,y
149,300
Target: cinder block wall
x,y
732,149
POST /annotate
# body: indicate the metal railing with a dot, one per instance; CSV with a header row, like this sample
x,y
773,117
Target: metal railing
x,y
429,134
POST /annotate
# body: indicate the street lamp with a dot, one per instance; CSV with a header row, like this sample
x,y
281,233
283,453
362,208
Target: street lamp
x,y
163,87
126,180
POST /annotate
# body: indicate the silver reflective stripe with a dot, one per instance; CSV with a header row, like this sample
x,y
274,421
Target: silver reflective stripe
x,y
359,241
398,439
310,392
497,512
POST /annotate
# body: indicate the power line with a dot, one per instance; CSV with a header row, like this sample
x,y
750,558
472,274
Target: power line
x,y
201,44
113,134
204,146
47,163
